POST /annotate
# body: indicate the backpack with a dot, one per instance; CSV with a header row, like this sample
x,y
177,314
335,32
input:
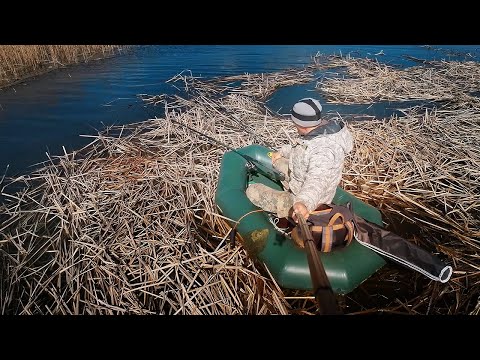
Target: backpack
x,y
331,227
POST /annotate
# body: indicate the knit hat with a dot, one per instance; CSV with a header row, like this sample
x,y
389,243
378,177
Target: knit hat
x,y
307,112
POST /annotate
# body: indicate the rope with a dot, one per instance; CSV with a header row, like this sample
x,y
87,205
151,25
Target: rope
x,y
241,218
233,230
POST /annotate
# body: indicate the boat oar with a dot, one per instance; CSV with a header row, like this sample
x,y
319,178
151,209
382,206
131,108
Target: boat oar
x,y
322,289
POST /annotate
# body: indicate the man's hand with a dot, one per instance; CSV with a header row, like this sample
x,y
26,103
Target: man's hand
x,y
275,156
301,209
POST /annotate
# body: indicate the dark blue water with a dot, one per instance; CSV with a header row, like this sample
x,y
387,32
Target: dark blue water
x,y
43,114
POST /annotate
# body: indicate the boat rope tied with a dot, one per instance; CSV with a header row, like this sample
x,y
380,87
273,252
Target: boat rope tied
x,y
233,231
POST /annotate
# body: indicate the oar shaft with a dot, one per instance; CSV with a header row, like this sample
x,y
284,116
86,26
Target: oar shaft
x,y
322,289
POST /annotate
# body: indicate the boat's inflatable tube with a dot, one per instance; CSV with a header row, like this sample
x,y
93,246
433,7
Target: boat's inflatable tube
x,y
346,268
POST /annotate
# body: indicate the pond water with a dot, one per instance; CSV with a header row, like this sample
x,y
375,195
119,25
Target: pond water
x,y
47,113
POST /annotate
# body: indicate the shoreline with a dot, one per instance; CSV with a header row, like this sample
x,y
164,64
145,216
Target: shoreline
x,y
47,66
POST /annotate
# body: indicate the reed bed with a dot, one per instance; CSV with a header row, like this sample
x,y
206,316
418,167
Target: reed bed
x,y
368,80
422,171
261,86
258,86
20,61
438,167
128,224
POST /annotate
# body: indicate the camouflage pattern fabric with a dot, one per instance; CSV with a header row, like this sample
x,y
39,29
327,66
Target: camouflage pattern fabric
x,y
316,165
271,200
313,167
281,165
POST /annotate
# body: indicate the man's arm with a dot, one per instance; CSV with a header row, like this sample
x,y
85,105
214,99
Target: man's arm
x,y
317,187
275,156
283,152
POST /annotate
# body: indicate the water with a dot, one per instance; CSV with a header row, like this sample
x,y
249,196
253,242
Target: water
x,y
43,114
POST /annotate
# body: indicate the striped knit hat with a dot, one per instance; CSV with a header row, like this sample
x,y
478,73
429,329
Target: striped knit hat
x,y
307,112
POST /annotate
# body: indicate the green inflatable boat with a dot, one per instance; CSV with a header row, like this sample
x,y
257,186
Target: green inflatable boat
x,y
346,268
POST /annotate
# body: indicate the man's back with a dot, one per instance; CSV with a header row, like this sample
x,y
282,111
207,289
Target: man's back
x,y
316,166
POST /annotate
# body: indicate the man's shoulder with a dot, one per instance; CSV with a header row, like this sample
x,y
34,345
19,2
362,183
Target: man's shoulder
x,y
326,144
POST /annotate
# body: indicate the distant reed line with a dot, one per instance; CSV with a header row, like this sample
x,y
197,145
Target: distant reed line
x,y
18,62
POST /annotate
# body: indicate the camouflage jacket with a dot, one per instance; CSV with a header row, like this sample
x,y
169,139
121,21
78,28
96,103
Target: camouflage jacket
x,y
315,164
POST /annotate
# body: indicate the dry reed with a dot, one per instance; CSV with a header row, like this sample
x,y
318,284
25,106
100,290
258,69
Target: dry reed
x,y
131,226
368,80
20,61
128,224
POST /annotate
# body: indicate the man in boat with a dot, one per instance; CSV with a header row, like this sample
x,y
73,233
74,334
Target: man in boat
x,y
312,165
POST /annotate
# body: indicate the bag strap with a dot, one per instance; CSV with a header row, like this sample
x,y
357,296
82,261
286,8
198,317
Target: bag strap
x,y
344,209
318,228
327,238
350,229
321,212
328,232
335,217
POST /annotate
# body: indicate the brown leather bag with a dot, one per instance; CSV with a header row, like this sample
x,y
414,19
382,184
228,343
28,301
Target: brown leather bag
x,y
331,228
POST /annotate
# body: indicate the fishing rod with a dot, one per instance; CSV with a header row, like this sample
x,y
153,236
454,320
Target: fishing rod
x,y
252,164
239,123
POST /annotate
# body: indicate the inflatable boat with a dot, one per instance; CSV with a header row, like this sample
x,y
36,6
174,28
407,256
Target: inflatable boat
x,y
346,267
